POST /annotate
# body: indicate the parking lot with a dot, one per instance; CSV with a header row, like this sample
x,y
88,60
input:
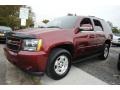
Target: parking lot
x,y
105,71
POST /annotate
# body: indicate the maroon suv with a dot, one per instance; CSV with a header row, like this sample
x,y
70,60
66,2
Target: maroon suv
x,y
53,48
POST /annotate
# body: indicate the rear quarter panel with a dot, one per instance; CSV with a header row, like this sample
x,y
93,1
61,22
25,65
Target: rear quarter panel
x,y
107,30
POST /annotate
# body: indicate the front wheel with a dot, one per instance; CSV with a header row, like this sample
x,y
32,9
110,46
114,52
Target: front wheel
x,y
105,52
59,63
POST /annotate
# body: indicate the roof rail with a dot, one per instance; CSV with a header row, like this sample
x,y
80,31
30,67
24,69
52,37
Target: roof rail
x,y
96,17
91,16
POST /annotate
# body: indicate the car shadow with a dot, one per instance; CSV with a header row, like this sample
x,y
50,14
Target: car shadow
x,y
86,61
105,70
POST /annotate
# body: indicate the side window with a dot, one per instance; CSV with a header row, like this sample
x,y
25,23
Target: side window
x,y
86,22
98,25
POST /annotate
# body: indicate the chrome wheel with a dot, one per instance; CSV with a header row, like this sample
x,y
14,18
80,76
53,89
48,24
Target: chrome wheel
x,y
106,51
61,64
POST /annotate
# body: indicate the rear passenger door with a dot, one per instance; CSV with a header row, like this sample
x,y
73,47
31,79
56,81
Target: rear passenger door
x,y
100,37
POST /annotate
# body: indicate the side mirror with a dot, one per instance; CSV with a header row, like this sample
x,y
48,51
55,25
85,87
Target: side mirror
x,y
85,28
77,30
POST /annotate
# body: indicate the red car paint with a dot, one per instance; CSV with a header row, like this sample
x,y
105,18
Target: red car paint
x,y
82,43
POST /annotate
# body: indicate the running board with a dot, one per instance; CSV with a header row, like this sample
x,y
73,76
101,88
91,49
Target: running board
x,y
86,58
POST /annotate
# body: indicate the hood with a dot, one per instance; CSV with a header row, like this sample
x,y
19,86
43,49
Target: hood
x,y
37,31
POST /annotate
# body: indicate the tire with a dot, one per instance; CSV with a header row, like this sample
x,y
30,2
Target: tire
x,y
105,52
118,64
59,63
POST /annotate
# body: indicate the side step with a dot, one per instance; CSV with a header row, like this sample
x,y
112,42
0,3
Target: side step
x,y
85,58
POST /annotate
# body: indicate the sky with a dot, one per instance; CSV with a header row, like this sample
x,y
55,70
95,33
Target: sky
x,y
108,12
50,9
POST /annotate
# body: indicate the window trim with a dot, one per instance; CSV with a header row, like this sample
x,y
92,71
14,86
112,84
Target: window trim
x,y
90,21
99,22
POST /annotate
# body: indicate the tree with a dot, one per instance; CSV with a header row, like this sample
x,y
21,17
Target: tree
x,y
9,16
119,30
110,23
30,21
115,30
45,21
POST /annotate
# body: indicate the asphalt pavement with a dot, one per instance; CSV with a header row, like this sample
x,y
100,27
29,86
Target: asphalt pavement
x,y
2,65
105,70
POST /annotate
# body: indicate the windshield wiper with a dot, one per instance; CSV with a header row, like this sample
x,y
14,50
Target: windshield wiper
x,y
53,27
41,27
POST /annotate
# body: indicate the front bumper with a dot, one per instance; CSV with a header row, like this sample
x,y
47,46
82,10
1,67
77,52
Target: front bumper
x,y
32,62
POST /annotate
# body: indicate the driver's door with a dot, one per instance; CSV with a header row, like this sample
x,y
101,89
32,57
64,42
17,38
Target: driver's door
x,y
85,40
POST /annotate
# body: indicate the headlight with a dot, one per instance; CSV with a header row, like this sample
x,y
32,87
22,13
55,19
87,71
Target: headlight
x,y
2,34
32,44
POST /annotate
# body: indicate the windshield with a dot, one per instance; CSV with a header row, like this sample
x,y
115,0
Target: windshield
x,y
66,22
6,29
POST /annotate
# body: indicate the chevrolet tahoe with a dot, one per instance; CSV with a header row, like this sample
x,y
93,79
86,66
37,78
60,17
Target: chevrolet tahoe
x,y
53,48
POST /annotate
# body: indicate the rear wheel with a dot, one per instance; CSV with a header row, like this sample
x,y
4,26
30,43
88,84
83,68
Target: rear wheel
x,y
105,52
59,63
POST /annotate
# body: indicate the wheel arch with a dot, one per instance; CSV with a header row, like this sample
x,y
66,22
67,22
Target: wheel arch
x,y
108,41
67,46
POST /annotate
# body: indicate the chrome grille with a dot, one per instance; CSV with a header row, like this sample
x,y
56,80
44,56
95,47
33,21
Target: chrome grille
x,y
13,43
